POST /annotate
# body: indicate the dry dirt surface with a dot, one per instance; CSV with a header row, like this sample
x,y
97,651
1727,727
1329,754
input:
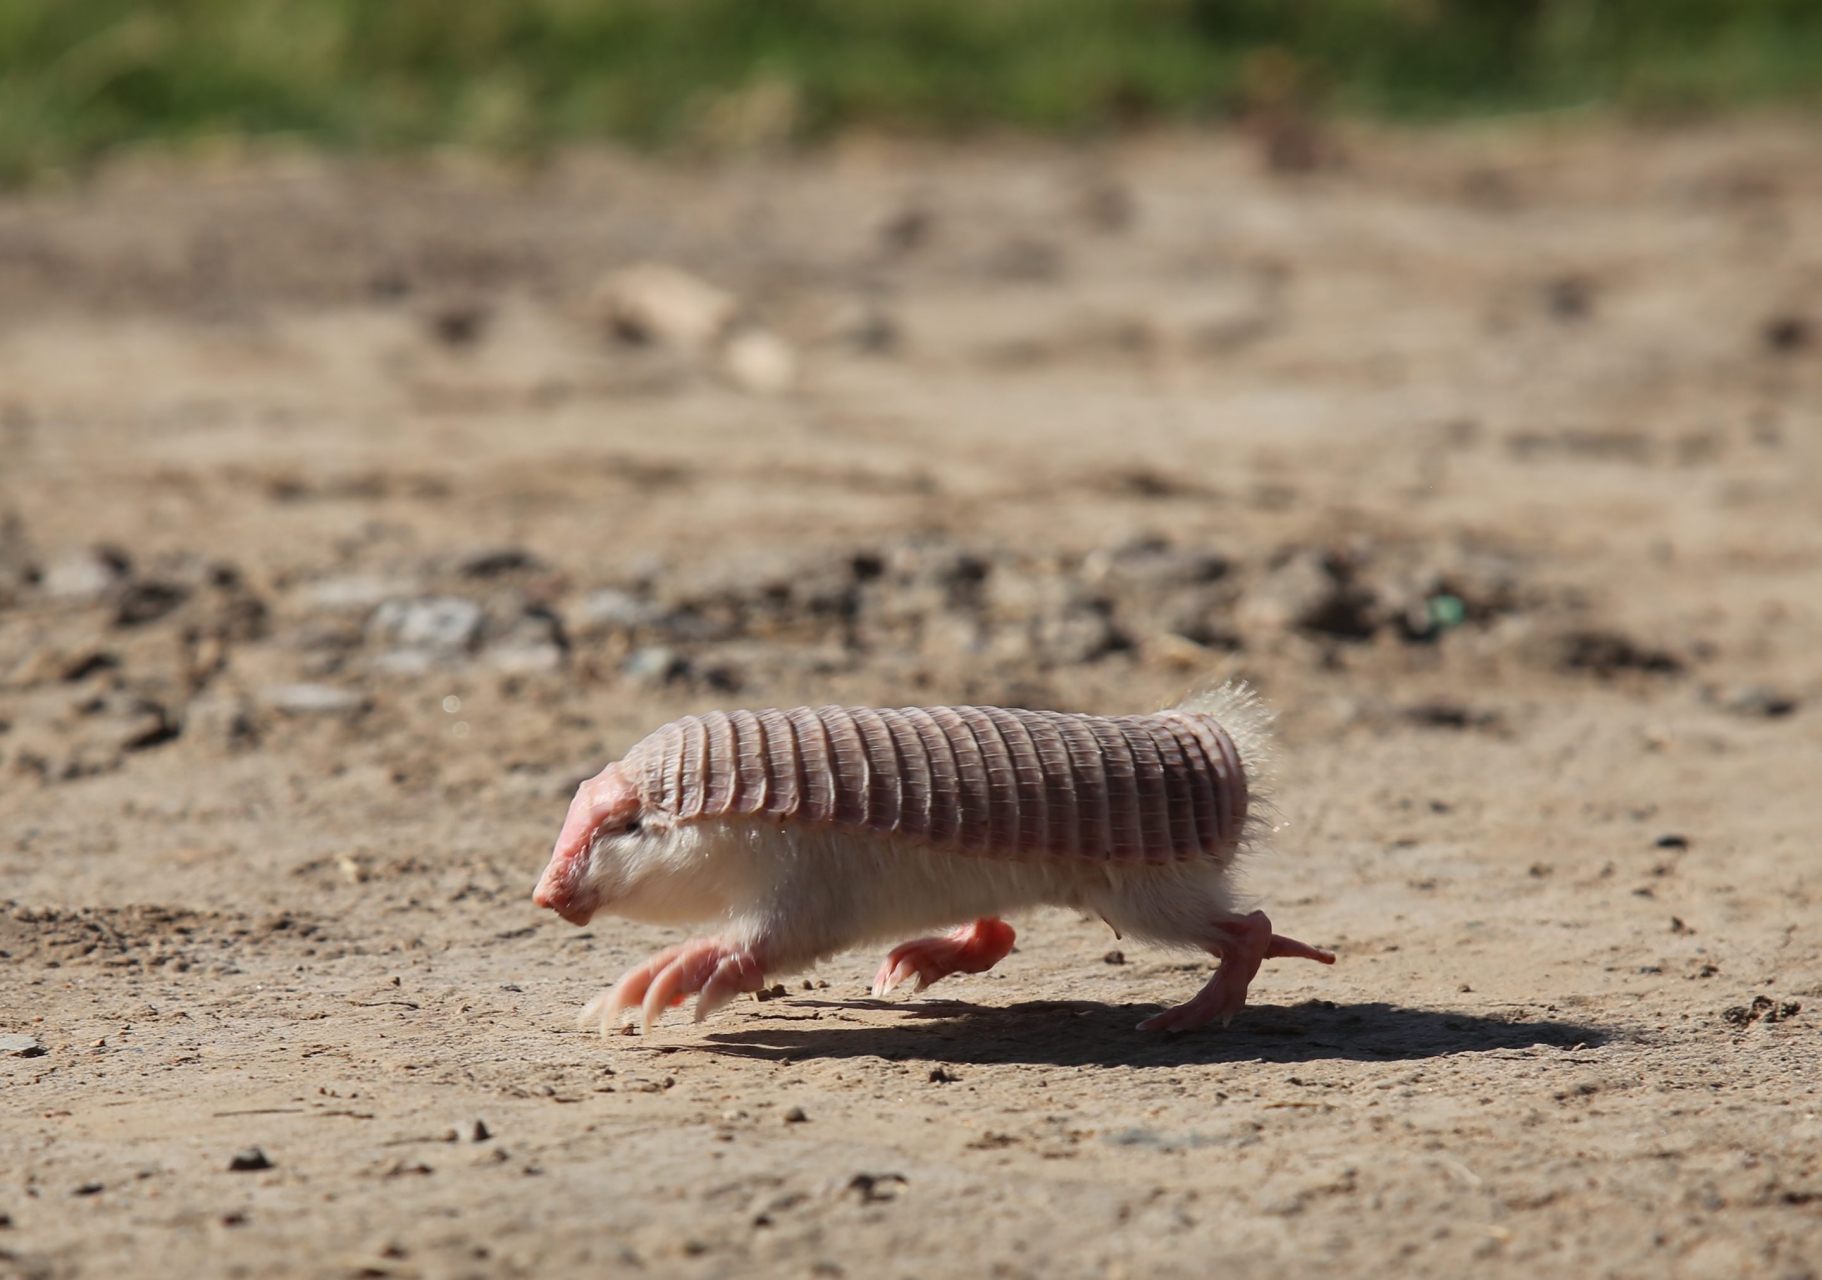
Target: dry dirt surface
x,y
351,514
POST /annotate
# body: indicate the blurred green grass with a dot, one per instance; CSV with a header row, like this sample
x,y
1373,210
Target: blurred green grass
x,y
79,78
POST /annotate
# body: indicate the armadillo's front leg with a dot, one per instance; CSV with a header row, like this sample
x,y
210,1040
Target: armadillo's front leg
x,y
973,948
718,970
604,1011
1243,945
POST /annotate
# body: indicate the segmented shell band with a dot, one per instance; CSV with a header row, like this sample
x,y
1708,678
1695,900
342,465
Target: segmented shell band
x,y
992,781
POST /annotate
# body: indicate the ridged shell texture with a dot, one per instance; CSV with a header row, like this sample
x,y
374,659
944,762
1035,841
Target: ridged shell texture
x,y
990,781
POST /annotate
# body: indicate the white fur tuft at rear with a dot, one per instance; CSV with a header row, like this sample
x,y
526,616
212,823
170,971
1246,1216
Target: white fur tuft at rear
x,y
1248,722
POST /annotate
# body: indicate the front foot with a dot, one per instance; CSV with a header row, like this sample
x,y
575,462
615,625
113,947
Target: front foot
x,y
973,948
711,970
1243,946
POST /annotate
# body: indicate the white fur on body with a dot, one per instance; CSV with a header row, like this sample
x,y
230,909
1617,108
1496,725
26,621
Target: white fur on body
x,y
800,892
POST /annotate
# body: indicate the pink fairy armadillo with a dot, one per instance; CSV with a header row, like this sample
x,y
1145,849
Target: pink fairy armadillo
x,y
801,833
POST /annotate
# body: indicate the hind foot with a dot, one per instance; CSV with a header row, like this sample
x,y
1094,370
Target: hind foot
x,y
717,970
1243,945
973,948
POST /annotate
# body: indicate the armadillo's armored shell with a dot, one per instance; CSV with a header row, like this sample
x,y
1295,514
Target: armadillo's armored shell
x,y
991,781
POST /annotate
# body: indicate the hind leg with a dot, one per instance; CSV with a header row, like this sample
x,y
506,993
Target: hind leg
x,y
973,948
1242,945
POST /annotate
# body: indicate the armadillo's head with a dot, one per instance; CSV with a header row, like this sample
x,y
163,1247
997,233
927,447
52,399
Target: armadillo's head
x,y
583,868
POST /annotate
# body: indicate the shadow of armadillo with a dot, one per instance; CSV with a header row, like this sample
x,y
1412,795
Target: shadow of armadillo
x,y
1085,1033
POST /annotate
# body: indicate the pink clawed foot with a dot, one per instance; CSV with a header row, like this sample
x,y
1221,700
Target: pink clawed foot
x,y
1243,945
713,971
973,948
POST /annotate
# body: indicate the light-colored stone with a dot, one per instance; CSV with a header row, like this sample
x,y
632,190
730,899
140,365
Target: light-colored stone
x,y
655,303
613,608
437,624
312,700
83,575
761,362
350,591
655,664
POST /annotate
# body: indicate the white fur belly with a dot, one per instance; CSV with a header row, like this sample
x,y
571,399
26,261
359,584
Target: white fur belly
x,y
808,893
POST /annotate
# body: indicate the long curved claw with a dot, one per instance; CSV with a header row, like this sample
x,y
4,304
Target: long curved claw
x,y
718,970
895,969
681,976
735,974
607,1010
973,948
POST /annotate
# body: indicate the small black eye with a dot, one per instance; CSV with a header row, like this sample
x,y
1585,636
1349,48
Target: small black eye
x,y
632,825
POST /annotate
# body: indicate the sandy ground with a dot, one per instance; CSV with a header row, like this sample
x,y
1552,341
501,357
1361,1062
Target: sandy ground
x,y
346,522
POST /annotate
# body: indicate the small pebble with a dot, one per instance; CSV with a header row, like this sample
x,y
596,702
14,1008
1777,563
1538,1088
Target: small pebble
x,y
876,1186
459,324
22,1046
252,1160
491,562
1758,701
312,700
144,602
760,362
1762,1007
1673,842
868,329
435,624
1114,957
658,304
1787,334
612,607
85,575
1569,297
525,659
405,662
907,229
655,664
480,1132
796,1115
352,592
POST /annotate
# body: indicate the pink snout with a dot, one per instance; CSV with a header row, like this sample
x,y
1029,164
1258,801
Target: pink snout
x,y
556,891
559,897
606,797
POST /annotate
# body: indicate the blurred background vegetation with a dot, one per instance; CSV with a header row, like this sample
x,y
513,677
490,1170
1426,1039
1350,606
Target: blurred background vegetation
x,y
79,78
